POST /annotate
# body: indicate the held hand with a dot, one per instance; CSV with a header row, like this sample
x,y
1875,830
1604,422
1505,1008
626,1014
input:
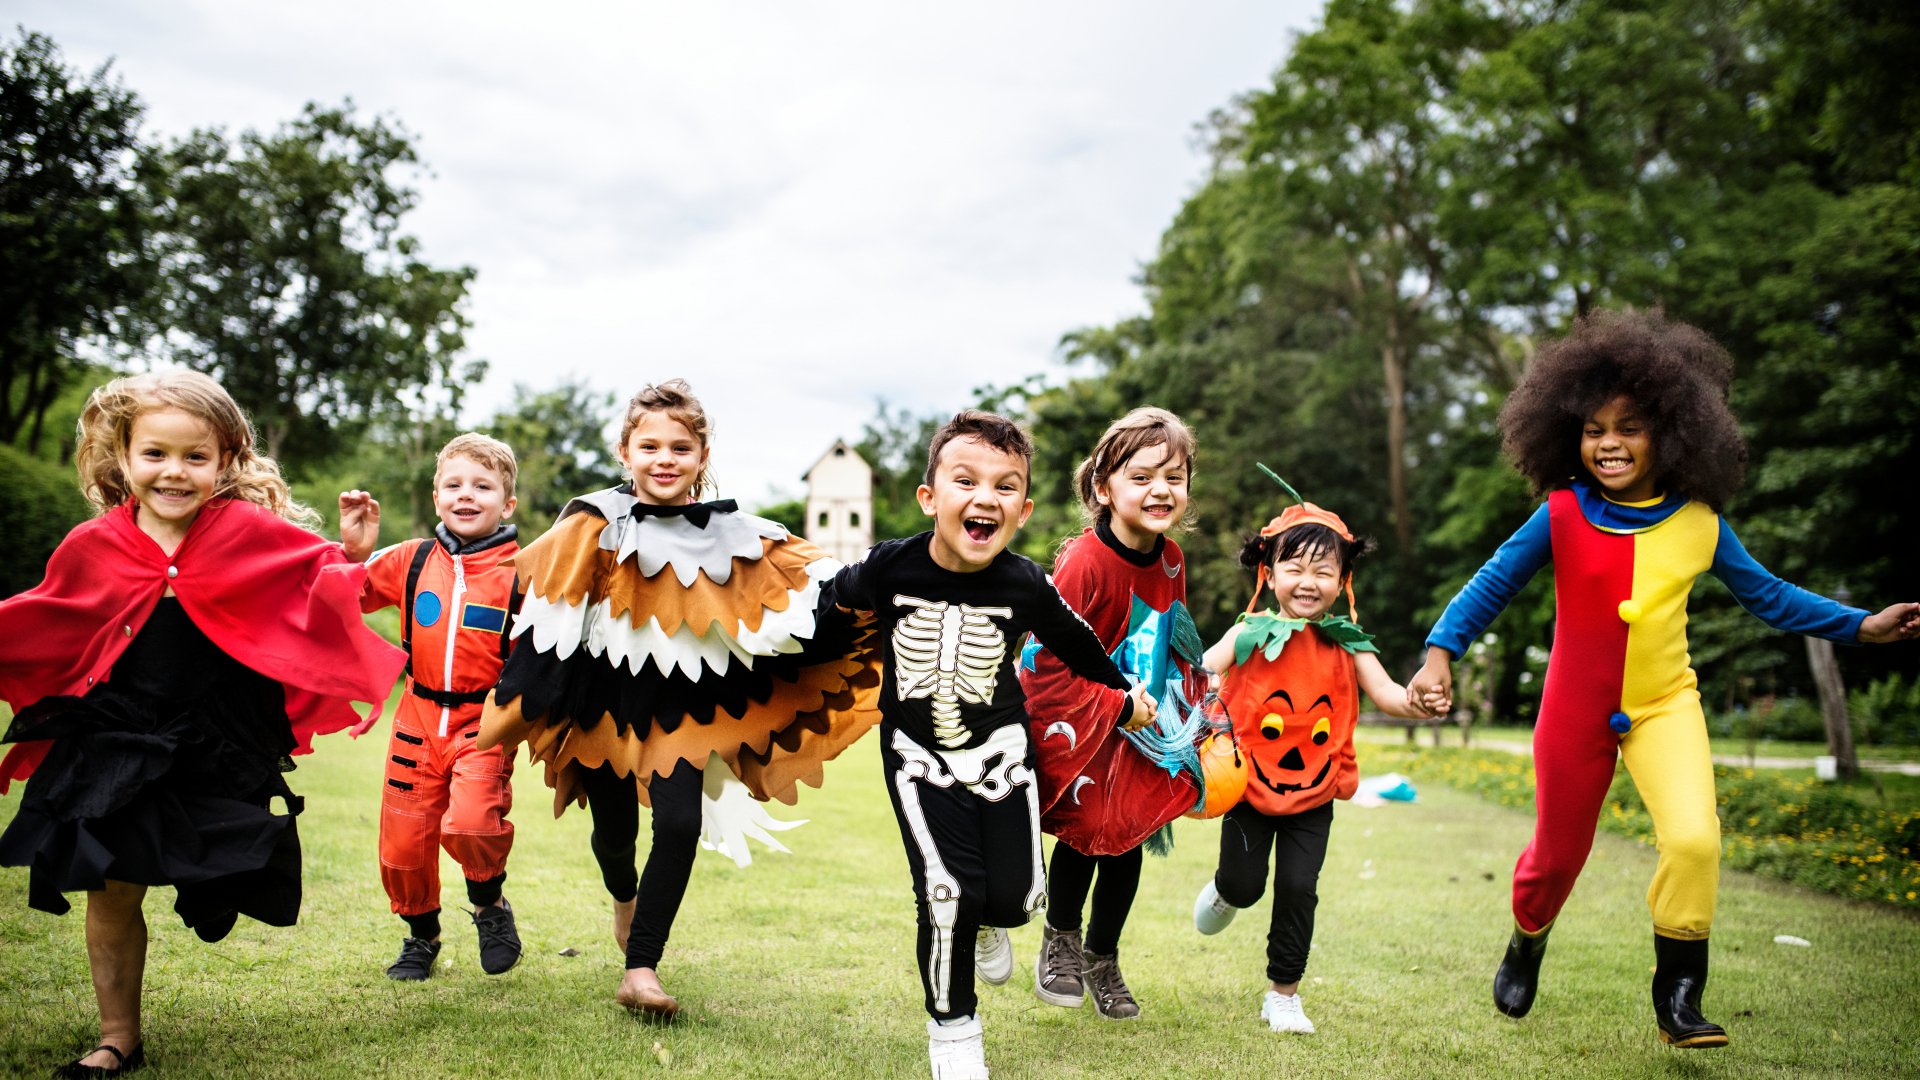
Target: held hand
x,y
359,524
1143,708
1897,622
1431,688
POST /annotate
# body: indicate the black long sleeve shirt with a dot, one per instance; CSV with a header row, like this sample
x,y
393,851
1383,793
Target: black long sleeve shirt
x,y
951,640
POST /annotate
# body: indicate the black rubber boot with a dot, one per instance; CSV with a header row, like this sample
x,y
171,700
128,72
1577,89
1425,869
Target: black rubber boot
x,y
1679,978
1519,976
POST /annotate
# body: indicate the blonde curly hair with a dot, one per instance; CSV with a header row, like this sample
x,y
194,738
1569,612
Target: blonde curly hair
x,y
106,428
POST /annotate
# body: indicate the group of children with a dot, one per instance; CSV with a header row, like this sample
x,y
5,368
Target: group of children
x,y
196,634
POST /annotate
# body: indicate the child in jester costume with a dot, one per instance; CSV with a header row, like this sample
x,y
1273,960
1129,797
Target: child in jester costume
x,y
1290,680
1624,425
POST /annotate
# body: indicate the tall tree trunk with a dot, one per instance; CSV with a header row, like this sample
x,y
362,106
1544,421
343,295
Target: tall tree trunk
x,y
1394,360
1833,705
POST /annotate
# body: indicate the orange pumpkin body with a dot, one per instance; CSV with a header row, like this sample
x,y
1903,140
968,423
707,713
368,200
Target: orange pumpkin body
x,y
1294,716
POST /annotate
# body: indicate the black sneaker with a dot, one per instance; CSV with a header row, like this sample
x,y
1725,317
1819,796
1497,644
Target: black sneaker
x,y
499,941
416,960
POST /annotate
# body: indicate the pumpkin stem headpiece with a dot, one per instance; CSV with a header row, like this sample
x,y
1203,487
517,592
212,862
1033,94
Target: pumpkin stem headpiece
x,y
1301,512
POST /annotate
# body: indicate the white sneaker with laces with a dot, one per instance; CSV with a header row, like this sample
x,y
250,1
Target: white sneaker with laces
x,y
993,955
958,1052
1282,1012
1210,913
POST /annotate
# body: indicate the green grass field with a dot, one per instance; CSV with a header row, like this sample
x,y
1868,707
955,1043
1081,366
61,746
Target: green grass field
x,y
1723,745
802,965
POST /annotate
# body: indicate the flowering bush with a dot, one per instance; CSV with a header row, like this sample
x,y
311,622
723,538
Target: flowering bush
x,y
1784,824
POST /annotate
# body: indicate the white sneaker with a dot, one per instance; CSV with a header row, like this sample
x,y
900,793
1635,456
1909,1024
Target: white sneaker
x,y
993,955
1282,1012
958,1052
1210,913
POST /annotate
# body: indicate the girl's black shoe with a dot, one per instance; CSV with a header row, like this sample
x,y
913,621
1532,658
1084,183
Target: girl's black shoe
x,y
128,1062
1519,976
1679,979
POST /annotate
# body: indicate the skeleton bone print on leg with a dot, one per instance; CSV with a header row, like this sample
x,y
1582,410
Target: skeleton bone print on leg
x,y
950,653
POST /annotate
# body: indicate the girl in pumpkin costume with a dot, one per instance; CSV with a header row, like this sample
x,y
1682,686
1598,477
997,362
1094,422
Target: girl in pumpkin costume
x,y
657,635
1290,680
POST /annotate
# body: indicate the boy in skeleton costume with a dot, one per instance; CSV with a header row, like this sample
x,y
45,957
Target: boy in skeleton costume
x,y
951,606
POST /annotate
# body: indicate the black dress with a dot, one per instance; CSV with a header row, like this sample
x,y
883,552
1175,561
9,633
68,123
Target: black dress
x,y
162,776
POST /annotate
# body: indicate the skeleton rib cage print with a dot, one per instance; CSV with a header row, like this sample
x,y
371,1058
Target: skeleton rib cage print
x,y
950,653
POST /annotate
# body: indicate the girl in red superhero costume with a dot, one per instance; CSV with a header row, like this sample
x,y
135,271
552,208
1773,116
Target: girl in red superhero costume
x,y
1624,425
183,645
1290,680
1100,796
657,633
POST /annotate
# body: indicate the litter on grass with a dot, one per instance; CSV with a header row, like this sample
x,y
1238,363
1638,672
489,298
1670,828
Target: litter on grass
x,y
1385,788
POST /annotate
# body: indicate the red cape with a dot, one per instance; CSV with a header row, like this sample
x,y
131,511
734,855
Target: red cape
x,y
1075,722
273,596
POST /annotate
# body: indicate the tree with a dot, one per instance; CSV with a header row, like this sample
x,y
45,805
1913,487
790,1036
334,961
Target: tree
x,y
894,443
286,277
563,439
71,238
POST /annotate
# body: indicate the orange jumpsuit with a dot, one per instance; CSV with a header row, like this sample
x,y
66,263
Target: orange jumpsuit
x,y
441,790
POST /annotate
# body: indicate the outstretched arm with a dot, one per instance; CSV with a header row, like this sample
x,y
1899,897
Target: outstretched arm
x,y
1219,658
1387,696
359,524
1898,622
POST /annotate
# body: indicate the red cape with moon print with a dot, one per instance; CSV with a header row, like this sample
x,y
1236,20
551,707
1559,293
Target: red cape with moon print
x,y
1099,794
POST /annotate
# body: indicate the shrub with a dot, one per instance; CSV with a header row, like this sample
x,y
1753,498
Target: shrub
x,y
1781,823
43,503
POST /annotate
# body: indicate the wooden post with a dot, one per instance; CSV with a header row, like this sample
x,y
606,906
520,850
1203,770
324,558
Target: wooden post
x,y
1833,705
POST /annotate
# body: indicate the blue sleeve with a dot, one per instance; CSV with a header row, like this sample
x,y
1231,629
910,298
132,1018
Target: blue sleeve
x,y
1777,603
1494,585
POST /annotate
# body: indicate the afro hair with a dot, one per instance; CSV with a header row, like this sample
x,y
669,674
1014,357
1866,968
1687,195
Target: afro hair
x,y
1677,378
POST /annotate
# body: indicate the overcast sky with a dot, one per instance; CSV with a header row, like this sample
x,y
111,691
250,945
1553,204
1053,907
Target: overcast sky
x,y
798,207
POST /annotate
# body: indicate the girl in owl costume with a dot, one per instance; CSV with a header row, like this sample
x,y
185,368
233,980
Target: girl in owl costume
x,y
667,646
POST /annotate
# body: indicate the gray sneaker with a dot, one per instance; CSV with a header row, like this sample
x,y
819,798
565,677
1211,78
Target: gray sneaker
x,y
1107,988
1056,971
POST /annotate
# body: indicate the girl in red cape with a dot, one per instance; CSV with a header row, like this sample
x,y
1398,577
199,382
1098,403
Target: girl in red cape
x,y
1100,796
184,644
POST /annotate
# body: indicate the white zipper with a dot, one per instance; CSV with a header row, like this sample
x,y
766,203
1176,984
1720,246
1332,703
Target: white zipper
x,y
456,614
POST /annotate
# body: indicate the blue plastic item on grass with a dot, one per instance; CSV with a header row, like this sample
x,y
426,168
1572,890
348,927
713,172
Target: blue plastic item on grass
x,y
1390,786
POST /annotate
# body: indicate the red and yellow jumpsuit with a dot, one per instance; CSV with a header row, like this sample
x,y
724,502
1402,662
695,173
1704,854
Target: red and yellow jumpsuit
x,y
441,790
1620,685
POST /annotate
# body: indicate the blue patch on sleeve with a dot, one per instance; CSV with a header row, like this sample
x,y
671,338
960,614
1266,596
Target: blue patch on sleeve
x,y
481,617
426,609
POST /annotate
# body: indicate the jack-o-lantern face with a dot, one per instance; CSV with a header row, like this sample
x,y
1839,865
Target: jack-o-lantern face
x,y
1294,715
1289,739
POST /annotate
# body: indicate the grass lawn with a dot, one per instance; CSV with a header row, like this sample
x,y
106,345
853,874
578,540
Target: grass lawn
x,y
1723,745
802,965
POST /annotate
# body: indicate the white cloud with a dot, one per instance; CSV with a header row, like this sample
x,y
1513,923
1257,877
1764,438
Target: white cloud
x,y
799,208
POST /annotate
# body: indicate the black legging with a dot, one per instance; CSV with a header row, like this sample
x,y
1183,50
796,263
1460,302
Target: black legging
x,y
1069,877
1299,846
676,840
